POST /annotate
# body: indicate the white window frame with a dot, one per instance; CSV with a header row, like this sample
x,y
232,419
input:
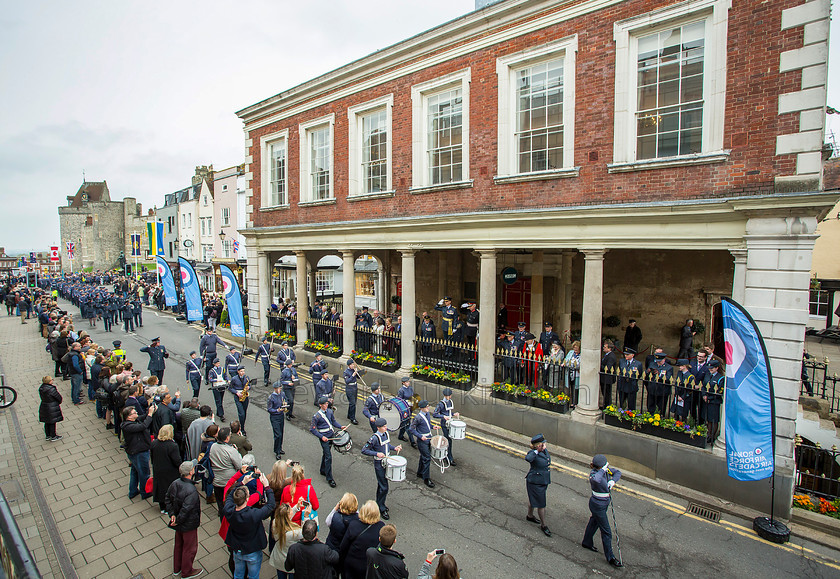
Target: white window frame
x,y
265,154
355,136
420,178
325,277
626,34
225,217
227,248
305,176
507,68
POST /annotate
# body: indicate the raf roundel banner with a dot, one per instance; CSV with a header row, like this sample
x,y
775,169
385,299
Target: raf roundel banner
x,y
192,291
749,404
167,282
233,298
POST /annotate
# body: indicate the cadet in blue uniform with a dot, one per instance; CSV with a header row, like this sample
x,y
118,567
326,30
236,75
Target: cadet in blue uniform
x,y
317,369
137,311
444,411
289,378
285,353
276,408
602,479
371,408
324,427
713,388
325,387
406,392
264,355
379,446
156,353
207,350
128,318
236,386
351,388
537,481
194,372
232,363
217,386
421,428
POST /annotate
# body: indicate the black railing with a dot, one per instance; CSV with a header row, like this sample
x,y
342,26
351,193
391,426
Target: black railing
x,y
283,324
380,343
817,470
550,373
815,373
325,336
449,356
15,557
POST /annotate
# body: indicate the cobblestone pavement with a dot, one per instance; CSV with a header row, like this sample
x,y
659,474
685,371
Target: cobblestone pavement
x,y
83,478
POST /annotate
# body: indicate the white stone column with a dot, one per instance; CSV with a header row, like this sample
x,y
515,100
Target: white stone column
x,y
407,350
739,277
263,288
313,294
348,283
564,295
537,293
381,289
590,352
487,319
776,295
302,307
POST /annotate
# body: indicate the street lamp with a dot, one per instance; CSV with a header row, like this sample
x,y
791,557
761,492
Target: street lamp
x,y
222,235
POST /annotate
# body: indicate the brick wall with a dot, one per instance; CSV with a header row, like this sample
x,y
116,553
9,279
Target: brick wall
x,y
751,125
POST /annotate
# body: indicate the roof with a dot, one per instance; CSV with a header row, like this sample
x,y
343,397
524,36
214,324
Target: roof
x,y
90,191
831,174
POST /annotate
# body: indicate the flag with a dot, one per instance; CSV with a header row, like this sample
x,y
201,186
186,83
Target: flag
x,y
32,258
71,250
749,400
54,253
155,232
235,246
192,292
167,282
135,245
233,297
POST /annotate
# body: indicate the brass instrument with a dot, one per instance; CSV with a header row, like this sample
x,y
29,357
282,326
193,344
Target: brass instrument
x,y
244,393
415,403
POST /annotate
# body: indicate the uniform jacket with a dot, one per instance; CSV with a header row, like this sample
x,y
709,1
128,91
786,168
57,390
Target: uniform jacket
x,y
324,424
599,481
156,357
540,472
324,387
629,383
372,405
208,344
285,354
193,367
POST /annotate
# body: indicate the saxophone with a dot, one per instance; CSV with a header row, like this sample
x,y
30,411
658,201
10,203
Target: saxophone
x,y
244,393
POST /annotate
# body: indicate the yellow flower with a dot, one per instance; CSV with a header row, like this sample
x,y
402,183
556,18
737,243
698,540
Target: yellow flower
x,y
657,417
656,423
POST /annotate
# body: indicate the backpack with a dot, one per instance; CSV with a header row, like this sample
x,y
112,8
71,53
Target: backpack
x,y
203,469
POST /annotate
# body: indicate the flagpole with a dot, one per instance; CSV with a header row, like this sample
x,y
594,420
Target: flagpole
x,y
135,249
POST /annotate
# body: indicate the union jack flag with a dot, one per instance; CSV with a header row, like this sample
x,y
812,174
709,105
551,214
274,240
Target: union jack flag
x,y
236,246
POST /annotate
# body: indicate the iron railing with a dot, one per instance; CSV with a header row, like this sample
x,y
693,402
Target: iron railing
x,y
815,373
380,343
817,470
15,557
285,324
327,333
448,355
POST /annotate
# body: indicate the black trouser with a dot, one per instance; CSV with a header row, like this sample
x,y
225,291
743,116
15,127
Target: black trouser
x,y
599,520
444,426
381,484
628,398
219,493
326,458
49,429
195,382
352,393
266,370
289,392
606,392
425,448
278,422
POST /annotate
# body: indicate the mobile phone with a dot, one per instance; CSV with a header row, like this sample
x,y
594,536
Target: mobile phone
x,y
440,551
305,504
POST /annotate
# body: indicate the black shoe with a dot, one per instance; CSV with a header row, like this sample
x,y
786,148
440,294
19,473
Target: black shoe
x,y
419,475
616,563
453,463
402,438
429,483
290,416
277,457
282,452
331,483
590,547
222,418
384,515
546,531
533,520
354,421
109,426
413,445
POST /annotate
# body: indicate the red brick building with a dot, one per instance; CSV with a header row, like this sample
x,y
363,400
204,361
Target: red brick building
x,y
636,158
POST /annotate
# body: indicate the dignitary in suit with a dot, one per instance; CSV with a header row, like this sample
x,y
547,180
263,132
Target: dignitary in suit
x,y
609,363
537,481
632,336
421,428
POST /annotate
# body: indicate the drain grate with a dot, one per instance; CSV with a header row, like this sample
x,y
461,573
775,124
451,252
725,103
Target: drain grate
x,y
705,512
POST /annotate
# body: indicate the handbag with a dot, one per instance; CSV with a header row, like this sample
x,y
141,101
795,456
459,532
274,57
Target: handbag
x,y
313,514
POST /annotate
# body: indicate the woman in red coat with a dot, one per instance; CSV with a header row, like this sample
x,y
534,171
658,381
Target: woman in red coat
x,y
301,488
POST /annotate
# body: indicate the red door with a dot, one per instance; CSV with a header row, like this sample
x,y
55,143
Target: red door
x,y
517,299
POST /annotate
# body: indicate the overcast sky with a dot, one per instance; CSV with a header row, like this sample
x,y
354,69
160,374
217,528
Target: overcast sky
x,y
139,93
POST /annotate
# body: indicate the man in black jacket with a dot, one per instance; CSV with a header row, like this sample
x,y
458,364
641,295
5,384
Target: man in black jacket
x,y
246,534
383,562
182,501
138,441
608,365
309,558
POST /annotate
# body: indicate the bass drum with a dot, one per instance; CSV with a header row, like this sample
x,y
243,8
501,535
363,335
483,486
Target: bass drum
x,y
395,412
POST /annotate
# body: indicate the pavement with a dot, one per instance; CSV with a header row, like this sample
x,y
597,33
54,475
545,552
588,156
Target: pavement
x,y
71,502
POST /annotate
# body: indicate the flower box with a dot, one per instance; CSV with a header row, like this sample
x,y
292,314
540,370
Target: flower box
x,y
550,406
523,400
697,441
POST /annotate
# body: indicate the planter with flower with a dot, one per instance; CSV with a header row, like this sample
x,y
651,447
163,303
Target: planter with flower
x,y
656,425
817,505
279,337
428,373
527,396
323,347
378,361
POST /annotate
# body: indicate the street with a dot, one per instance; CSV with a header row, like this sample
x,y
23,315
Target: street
x,y
477,511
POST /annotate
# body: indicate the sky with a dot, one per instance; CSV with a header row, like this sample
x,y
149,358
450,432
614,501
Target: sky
x,y
139,93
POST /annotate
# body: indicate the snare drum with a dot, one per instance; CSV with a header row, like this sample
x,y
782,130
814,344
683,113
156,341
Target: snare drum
x,y
439,446
395,468
395,412
342,441
457,429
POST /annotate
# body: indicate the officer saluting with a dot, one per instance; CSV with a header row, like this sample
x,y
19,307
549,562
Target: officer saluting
x,y
318,368
602,479
371,409
537,481
156,353
264,355
444,412
194,372
289,378
324,427
421,428
379,446
351,388
448,313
